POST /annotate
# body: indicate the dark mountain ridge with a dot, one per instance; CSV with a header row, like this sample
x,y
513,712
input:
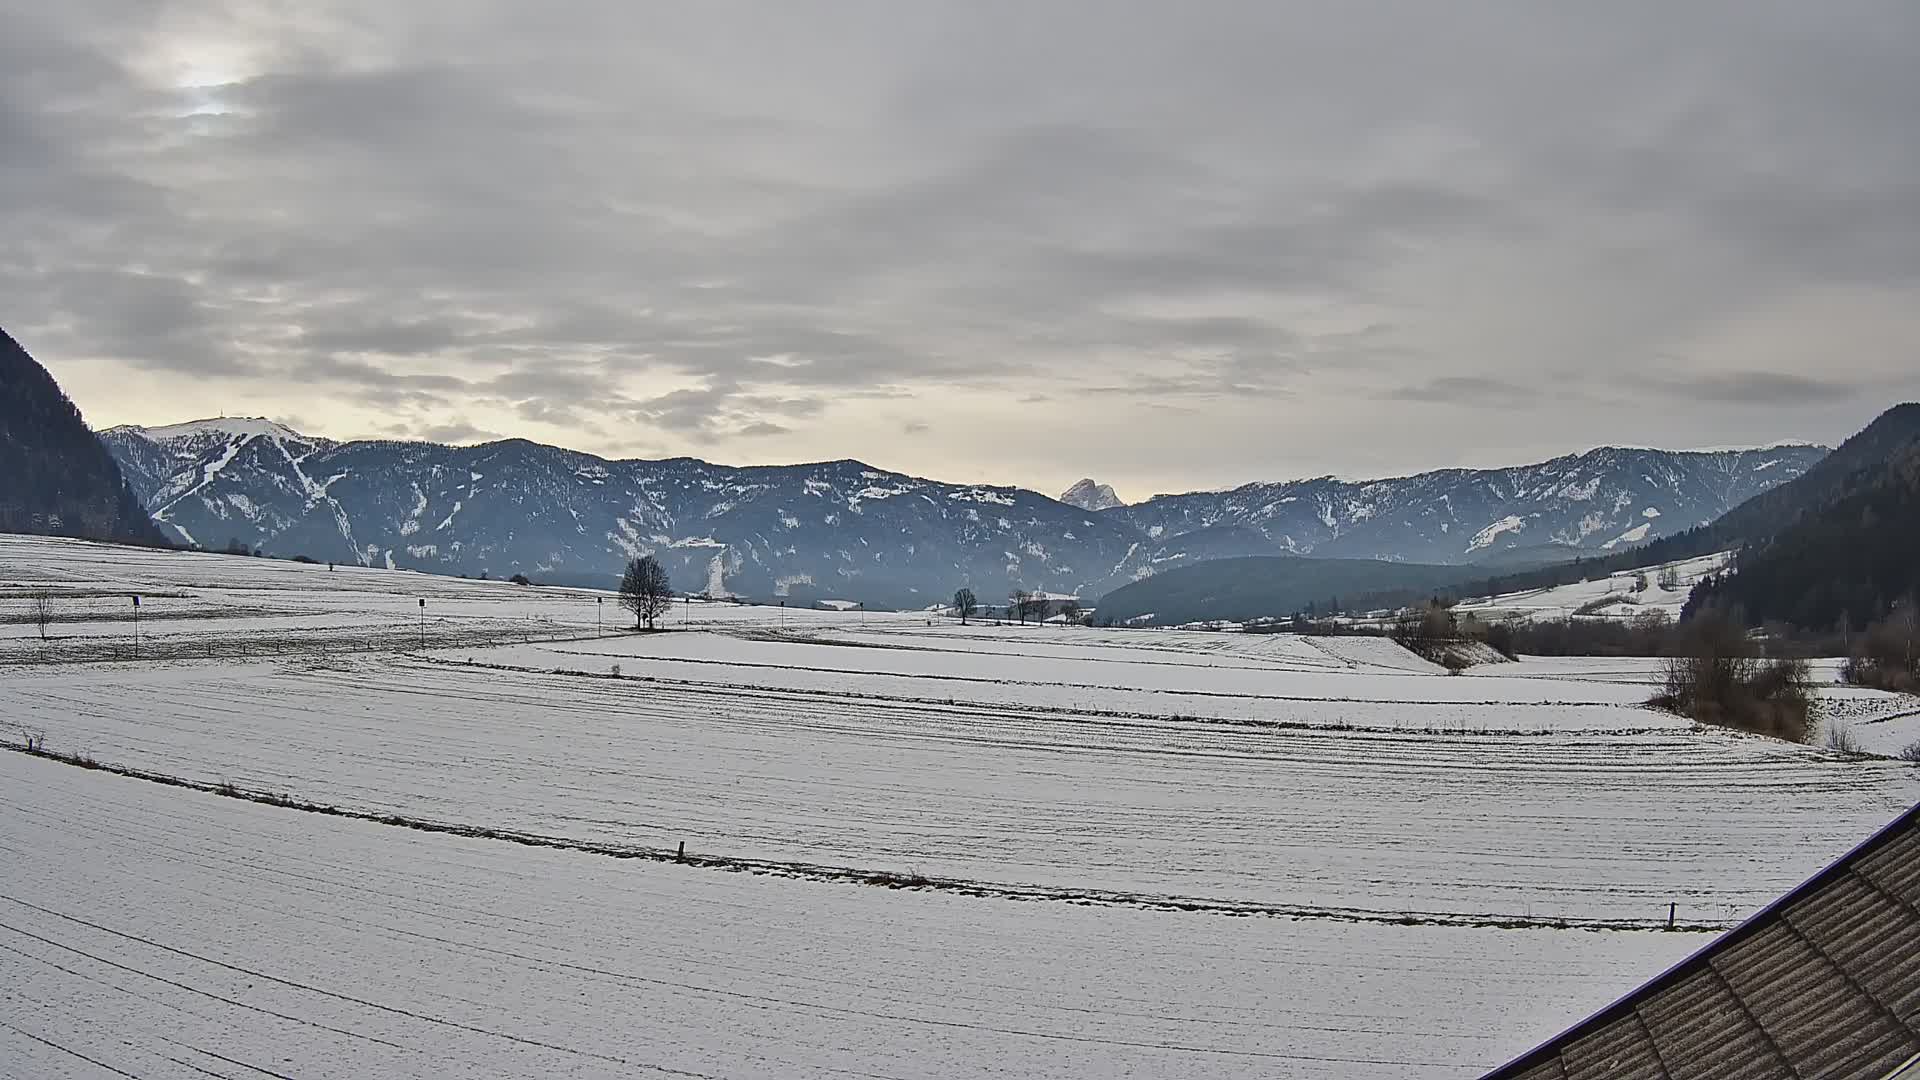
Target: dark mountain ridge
x,y
1841,549
56,478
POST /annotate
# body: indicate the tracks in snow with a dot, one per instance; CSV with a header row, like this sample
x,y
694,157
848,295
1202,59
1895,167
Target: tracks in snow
x,y
891,879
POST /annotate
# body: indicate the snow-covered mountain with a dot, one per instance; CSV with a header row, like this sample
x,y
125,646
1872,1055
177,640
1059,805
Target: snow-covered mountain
x,y
831,529
1088,495
1602,500
845,529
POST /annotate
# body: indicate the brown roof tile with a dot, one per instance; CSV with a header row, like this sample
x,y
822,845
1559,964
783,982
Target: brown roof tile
x,y
1822,985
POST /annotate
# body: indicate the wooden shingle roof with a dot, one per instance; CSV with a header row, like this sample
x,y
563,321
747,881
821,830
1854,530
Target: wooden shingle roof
x,y
1824,983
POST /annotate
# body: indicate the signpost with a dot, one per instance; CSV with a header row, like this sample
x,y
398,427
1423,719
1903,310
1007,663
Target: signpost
x,y
599,605
423,622
136,627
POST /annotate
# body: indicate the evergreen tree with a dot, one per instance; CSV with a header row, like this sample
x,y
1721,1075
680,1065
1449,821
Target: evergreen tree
x,y
56,478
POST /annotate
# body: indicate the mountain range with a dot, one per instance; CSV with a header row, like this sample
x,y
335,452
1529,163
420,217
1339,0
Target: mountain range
x,y
1833,544
845,529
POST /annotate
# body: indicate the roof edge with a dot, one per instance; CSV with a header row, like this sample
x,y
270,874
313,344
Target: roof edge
x,y
1747,928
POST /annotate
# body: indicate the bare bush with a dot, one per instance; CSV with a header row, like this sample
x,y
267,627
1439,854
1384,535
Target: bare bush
x,y
1716,677
1842,738
1911,752
1887,656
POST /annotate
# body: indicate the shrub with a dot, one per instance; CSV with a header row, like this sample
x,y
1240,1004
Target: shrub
x,y
1601,603
1716,678
1911,752
1425,629
520,579
1503,637
1454,661
1842,739
1887,656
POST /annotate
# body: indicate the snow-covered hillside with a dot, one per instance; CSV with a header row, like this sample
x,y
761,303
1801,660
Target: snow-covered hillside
x,y
844,529
1621,595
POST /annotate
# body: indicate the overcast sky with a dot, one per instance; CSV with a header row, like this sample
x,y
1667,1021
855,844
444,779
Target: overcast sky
x,y
1167,245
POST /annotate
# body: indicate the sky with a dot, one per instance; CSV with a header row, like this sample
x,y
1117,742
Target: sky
x,y
1168,246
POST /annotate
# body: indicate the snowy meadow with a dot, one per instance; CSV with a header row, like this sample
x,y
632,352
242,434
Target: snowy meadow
x,y
336,832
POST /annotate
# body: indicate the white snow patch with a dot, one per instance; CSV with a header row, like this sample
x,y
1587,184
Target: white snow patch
x,y
1631,536
1485,537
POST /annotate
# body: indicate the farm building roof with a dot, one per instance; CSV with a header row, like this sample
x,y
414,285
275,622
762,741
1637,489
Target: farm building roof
x,y
1825,982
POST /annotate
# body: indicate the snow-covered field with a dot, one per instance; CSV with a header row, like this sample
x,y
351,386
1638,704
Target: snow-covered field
x,y
208,606
162,933
1611,597
1156,853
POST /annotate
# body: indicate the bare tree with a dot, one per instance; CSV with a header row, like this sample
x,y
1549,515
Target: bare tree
x,y
1017,603
1036,607
41,612
965,604
645,590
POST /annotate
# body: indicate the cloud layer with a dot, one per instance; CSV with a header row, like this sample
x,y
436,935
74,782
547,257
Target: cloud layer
x,y
1166,245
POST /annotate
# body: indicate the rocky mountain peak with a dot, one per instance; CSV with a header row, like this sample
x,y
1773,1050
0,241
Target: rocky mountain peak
x,y
1088,495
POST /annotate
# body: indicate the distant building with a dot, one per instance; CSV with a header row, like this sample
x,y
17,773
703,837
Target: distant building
x,y
1823,983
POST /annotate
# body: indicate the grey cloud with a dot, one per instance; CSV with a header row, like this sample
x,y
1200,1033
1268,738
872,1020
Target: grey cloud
x,y
453,431
473,209
411,338
1473,390
1755,388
